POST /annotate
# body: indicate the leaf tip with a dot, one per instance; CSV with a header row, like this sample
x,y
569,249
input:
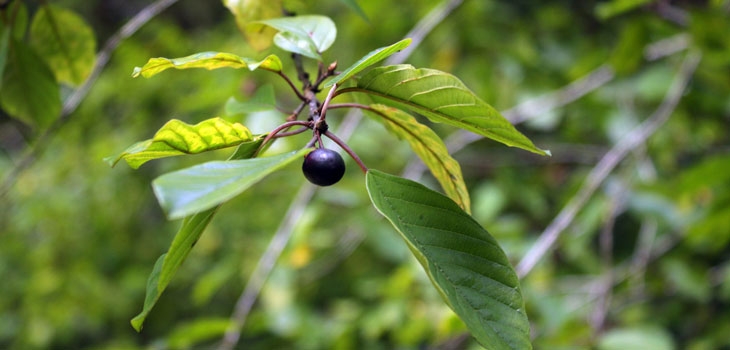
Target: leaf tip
x,y
137,322
136,72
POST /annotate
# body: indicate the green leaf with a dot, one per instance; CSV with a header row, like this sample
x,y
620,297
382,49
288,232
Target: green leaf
x,y
430,148
189,334
65,41
606,10
206,185
352,4
191,229
442,98
168,264
246,12
307,35
177,138
29,90
294,43
368,60
209,60
262,100
4,41
464,262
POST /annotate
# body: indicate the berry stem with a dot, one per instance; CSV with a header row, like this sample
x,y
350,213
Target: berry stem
x,y
278,129
347,149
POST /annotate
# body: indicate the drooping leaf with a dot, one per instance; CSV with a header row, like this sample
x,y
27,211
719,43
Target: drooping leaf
x,y
29,90
65,41
209,60
177,138
247,12
168,264
198,188
309,35
442,98
368,60
430,148
463,261
191,229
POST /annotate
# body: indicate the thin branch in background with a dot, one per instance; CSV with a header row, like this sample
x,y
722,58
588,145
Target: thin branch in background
x,y
536,107
78,95
423,28
606,244
276,246
605,166
525,111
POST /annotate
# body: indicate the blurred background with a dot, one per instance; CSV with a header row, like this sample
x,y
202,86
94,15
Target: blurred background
x,y
642,263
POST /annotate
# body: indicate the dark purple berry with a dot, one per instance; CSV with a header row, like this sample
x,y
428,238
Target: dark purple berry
x,y
323,167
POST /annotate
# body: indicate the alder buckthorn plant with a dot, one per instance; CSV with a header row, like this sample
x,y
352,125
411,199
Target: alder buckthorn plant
x,y
463,261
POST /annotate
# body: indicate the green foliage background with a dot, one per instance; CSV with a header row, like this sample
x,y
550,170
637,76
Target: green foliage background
x,y
78,239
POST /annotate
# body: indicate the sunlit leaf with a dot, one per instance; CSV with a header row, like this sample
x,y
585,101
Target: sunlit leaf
x,y
463,261
318,32
246,12
65,41
201,187
291,42
368,60
430,148
191,229
208,60
29,90
442,98
176,138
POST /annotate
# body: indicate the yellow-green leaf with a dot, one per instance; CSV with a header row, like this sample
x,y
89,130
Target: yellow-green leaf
x,y
177,138
65,41
258,36
209,60
430,148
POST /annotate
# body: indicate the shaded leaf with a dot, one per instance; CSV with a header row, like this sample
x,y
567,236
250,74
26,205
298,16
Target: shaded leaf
x,y
606,10
191,333
312,34
368,60
463,261
352,4
65,41
263,100
442,98
246,12
177,138
430,148
200,187
4,40
191,229
168,264
29,90
209,60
